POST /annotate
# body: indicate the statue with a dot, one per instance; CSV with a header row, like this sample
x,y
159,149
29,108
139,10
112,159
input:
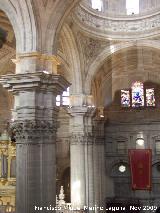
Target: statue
x,y
61,201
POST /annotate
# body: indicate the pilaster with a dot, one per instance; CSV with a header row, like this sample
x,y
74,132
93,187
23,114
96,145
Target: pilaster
x,y
87,155
81,151
99,160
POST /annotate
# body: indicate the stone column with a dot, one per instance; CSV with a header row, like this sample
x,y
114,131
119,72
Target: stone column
x,y
35,116
87,160
77,157
81,151
99,162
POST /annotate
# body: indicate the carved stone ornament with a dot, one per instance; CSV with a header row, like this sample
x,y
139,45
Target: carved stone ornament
x,y
116,27
29,130
91,47
77,139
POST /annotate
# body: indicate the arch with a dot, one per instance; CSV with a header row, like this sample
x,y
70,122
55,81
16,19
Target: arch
x,y
117,162
115,173
72,52
101,58
23,23
56,22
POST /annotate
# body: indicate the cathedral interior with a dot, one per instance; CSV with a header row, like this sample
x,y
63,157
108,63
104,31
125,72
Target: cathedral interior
x,y
79,87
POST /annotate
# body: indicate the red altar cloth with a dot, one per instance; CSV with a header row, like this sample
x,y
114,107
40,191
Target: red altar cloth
x,y
140,164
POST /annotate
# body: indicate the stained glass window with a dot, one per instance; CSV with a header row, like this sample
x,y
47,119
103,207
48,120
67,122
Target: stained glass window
x,y
125,98
150,98
137,94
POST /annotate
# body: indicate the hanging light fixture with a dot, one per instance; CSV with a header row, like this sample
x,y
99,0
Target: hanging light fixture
x,y
140,141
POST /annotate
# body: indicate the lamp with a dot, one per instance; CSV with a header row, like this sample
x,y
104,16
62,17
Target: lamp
x,y
140,141
122,168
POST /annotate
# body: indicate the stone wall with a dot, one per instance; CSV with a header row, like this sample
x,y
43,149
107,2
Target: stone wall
x,y
119,184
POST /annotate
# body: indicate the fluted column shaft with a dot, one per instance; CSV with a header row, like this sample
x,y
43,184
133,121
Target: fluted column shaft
x,y
81,150
35,118
87,161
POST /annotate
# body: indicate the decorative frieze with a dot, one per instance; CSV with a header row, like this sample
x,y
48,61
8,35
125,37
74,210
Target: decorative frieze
x,y
91,47
113,27
30,131
79,139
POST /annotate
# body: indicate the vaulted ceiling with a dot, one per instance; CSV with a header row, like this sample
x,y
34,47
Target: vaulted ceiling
x,y
8,50
121,69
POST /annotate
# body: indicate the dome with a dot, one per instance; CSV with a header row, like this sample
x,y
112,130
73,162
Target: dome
x,y
118,8
119,19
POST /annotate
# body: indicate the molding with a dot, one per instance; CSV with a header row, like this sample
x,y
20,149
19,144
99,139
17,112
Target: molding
x,y
81,139
33,132
38,55
33,80
116,28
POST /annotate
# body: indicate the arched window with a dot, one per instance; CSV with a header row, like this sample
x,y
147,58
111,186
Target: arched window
x,y
125,98
132,7
150,98
97,4
63,100
137,94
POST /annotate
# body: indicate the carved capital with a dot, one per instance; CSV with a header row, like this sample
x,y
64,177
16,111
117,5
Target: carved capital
x,y
86,111
81,139
29,131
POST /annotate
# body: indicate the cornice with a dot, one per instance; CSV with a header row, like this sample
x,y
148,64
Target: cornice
x,y
113,16
117,28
